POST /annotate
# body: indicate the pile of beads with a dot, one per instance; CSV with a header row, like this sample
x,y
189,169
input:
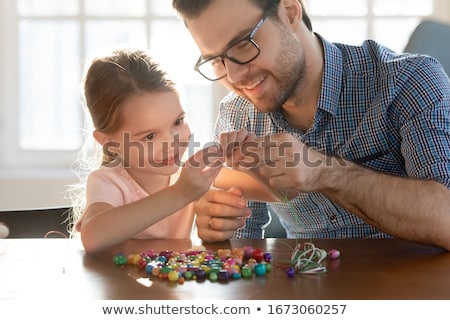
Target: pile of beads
x,y
200,264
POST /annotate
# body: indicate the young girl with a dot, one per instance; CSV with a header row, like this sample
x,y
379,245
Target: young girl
x,y
141,190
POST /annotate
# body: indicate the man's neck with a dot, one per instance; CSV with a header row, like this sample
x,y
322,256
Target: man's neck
x,y
301,108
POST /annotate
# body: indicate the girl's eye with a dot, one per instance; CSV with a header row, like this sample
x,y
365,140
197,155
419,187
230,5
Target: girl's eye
x,y
150,136
179,121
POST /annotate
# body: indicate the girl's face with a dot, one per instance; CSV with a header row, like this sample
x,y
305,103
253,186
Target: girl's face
x,y
154,134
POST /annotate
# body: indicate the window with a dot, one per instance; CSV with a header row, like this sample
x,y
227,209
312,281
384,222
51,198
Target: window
x,y
46,43
55,41
390,22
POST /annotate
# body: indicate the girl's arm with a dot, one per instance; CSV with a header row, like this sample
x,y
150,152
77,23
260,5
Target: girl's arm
x,y
105,226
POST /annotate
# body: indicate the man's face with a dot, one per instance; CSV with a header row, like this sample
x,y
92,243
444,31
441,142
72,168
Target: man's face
x,y
269,80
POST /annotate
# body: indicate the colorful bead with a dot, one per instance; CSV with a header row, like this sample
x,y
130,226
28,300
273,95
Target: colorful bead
x,y
290,272
142,263
258,255
120,260
133,259
224,276
248,252
246,272
155,271
260,269
333,254
213,276
188,275
173,276
200,275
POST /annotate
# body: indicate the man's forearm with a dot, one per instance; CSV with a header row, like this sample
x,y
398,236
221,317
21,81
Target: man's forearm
x,y
412,209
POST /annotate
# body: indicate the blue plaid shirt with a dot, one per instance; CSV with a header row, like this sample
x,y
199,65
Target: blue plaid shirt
x,y
387,111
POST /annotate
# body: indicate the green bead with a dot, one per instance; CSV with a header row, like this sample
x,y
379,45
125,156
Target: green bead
x,y
188,275
120,260
246,272
213,276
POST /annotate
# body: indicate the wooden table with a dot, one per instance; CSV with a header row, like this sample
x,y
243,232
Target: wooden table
x,y
367,269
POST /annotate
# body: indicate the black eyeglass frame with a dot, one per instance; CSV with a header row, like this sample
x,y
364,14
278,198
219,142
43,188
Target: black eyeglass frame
x,y
249,38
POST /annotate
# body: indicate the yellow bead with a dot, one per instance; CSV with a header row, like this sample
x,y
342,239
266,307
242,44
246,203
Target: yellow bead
x,y
173,276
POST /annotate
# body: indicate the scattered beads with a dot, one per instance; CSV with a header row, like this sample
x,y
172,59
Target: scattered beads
x,y
201,264
225,264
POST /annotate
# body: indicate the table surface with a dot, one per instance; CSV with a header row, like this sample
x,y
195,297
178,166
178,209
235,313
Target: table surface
x,y
367,269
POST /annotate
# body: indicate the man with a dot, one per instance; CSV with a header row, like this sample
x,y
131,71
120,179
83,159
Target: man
x,y
361,133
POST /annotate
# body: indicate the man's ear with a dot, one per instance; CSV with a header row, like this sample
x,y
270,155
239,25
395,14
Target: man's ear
x,y
293,10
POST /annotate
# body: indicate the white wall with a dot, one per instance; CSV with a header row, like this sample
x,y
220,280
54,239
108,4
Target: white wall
x,y
34,189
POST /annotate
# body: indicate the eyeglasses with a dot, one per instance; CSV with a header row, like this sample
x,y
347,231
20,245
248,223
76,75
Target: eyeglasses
x,y
241,52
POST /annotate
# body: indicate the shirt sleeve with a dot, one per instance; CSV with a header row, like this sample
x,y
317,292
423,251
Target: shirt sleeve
x,y
103,187
425,122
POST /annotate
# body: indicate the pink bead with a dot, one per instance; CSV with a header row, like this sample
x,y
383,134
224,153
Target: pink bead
x,y
333,254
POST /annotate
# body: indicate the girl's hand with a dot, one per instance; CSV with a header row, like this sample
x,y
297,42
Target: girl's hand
x,y
232,143
199,172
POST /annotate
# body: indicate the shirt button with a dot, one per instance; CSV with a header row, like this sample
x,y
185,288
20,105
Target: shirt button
x,y
332,217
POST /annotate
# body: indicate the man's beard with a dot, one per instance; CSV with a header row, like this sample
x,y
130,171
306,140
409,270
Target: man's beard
x,y
289,75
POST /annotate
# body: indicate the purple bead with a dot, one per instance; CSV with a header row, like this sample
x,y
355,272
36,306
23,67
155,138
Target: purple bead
x,y
248,252
201,275
291,272
267,256
224,275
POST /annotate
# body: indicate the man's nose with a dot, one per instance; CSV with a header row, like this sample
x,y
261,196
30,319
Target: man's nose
x,y
235,72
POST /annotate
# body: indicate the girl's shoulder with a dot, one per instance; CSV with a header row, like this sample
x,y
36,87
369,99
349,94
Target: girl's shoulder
x,y
111,176
116,172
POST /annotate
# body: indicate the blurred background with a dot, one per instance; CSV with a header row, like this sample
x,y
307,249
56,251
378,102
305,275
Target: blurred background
x,y
46,44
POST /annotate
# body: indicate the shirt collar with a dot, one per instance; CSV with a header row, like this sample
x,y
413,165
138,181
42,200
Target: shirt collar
x,y
331,82
331,78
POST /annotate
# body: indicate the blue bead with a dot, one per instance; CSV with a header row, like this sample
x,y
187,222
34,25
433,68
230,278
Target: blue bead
x,y
149,268
260,269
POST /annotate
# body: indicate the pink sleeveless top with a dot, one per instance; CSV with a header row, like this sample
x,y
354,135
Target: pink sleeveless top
x,y
113,185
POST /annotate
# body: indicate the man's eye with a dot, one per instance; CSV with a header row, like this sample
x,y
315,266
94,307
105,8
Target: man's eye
x,y
216,62
242,46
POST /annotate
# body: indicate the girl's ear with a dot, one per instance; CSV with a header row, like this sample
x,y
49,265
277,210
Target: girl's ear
x,y
100,137
110,147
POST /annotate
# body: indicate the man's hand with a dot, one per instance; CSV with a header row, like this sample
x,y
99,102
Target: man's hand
x,y
220,213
